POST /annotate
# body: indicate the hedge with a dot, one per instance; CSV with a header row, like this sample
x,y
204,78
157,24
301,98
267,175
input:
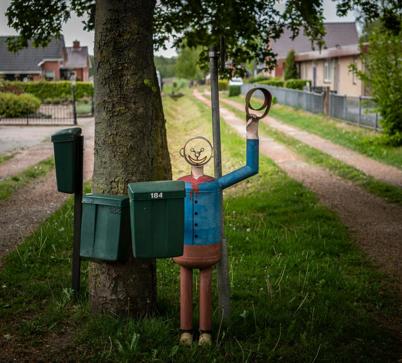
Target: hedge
x,y
12,105
223,84
48,90
273,82
234,91
296,83
258,79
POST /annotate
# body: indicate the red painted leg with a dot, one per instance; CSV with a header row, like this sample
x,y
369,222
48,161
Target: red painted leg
x,y
186,298
206,299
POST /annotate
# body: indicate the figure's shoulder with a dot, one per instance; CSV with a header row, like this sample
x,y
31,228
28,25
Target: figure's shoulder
x,y
200,180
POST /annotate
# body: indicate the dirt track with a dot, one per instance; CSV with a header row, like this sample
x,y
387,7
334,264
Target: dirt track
x,y
375,224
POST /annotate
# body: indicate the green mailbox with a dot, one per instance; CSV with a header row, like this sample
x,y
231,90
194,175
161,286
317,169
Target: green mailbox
x,y
157,218
105,229
67,153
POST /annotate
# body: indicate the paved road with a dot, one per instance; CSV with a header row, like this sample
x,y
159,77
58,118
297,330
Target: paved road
x,y
18,137
33,150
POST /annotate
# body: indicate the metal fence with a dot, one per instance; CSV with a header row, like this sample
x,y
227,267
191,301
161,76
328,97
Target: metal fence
x,y
360,111
309,101
65,113
356,110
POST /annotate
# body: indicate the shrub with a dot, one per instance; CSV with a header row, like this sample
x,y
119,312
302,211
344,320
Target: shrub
x,y
234,91
48,90
12,105
273,82
381,71
223,84
258,79
290,66
296,83
10,87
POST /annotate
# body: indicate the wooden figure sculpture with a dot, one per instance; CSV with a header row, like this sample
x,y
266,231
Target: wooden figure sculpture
x,y
203,205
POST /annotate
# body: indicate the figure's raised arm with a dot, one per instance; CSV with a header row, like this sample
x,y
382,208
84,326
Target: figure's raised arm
x,y
252,149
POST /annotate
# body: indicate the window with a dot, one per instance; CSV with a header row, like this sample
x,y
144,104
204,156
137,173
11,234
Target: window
x,y
328,71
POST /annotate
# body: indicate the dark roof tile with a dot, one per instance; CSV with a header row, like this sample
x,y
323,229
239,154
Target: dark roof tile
x,y
27,59
336,34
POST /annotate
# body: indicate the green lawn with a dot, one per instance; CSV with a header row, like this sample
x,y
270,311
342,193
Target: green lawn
x,y
384,190
301,290
367,142
83,108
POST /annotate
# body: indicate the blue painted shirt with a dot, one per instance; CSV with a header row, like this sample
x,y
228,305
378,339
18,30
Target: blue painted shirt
x,y
203,202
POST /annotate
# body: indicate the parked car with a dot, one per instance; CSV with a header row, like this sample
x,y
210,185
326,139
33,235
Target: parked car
x,y
236,81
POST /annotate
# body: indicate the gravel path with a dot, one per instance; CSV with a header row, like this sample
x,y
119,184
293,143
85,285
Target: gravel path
x,y
375,224
29,206
376,169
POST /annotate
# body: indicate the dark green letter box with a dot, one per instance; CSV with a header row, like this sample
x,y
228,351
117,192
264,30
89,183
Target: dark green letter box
x,y
157,218
67,144
105,229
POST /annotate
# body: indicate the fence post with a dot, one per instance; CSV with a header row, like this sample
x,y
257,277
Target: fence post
x,y
92,105
74,100
360,111
344,107
326,101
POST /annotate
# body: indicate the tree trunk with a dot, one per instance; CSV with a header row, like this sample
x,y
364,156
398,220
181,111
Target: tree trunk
x,y
130,140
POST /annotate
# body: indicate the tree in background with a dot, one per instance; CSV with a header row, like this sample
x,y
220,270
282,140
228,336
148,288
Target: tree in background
x,y
130,135
290,66
382,74
187,64
166,66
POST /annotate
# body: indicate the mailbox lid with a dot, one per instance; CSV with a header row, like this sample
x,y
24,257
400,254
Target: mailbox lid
x,y
66,135
120,201
155,190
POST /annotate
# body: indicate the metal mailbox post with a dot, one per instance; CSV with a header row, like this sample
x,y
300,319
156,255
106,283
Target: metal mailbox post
x,y
157,218
68,153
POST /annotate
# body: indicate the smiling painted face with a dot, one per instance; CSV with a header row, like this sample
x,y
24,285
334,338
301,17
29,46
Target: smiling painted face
x,y
197,151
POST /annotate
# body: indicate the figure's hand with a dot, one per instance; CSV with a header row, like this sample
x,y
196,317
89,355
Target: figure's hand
x,y
252,128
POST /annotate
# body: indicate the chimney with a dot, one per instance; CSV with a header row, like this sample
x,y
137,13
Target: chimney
x,y
76,44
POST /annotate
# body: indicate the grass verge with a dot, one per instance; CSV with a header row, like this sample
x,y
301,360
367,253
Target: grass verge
x,y
367,142
301,291
387,191
10,184
5,157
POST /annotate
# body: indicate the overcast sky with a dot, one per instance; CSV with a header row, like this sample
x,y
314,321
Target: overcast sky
x,y
73,28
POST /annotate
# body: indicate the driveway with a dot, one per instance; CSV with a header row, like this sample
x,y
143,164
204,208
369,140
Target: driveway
x,y
19,137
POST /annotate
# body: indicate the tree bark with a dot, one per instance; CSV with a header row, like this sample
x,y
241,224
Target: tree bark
x,y
130,140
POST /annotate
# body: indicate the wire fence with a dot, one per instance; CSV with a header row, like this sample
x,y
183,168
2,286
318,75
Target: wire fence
x,y
360,111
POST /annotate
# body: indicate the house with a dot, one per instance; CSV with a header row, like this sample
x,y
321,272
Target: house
x,y
325,65
53,62
331,68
